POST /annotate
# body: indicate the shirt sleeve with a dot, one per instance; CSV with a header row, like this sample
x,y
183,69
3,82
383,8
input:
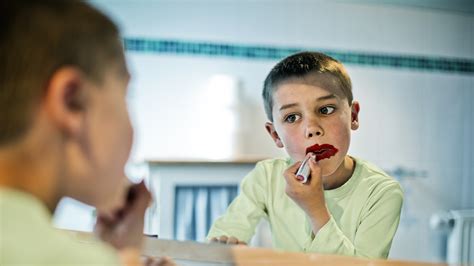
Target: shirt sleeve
x,y
375,231
246,210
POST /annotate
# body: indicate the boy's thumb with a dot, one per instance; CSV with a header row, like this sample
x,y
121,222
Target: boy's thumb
x,y
138,196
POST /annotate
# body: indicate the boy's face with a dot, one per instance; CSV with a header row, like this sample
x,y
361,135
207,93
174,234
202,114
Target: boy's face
x,y
313,114
108,139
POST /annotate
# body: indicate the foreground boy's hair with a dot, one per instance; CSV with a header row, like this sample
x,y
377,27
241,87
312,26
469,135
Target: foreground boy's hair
x,y
38,38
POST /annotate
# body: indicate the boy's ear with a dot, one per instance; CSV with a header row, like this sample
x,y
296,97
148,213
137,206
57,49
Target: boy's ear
x,y
271,130
65,99
355,108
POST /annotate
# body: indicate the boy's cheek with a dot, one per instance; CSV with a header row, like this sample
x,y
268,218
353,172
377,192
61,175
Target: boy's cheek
x,y
295,148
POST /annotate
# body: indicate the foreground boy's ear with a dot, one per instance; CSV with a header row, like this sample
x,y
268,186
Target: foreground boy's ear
x,y
271,130
355,108
65,99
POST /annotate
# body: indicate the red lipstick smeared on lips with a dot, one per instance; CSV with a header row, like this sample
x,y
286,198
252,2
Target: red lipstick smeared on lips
x,y
322,151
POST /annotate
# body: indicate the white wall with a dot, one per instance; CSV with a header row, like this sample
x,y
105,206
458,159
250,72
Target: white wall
x,y
165,87
419,121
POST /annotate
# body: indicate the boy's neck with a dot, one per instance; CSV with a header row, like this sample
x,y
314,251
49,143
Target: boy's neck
x,y
341,175
30,169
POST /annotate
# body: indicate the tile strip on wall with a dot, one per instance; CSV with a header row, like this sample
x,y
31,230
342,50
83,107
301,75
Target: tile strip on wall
x,y
179,47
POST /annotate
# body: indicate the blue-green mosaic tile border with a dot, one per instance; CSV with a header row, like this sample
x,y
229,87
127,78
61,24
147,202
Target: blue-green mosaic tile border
x,y
441,64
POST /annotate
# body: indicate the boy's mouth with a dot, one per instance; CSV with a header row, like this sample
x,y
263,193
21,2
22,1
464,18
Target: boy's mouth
x,y
322,151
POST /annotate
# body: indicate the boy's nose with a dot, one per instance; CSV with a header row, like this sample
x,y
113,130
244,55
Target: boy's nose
x,y
314,131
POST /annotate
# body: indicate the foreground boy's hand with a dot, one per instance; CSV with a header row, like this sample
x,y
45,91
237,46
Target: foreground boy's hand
x,y
123,228
227,240
309,196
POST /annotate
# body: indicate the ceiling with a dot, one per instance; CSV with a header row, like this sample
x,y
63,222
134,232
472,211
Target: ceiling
x,y
458,6
462,6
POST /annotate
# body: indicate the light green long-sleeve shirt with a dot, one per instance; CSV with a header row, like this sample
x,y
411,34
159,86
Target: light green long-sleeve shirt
x,y
365,212
27,237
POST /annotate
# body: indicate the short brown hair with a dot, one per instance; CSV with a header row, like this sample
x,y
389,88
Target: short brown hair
x,y
300,65
36,39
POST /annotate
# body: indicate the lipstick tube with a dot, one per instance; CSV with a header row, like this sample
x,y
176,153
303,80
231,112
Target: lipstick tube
x,y
304,170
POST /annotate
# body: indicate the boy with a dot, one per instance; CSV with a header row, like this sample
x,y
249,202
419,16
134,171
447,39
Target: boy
x,y
65,131
347,206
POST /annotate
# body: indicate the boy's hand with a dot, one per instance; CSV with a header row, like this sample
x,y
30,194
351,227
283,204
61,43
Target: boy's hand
x,y
309,196
227,240
163,261
124,227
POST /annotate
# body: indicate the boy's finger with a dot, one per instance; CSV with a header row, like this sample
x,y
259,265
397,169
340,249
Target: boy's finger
x,y
291,171
290,176
149,261
106,216
138,198
232,240
223,239
101,230
163,261
107,220
166,261
294,167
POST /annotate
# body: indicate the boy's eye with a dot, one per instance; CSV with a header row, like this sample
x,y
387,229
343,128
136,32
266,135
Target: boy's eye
x,y
292,118
326,110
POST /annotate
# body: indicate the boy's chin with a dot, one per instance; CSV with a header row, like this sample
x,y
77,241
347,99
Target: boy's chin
x,y
328,167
